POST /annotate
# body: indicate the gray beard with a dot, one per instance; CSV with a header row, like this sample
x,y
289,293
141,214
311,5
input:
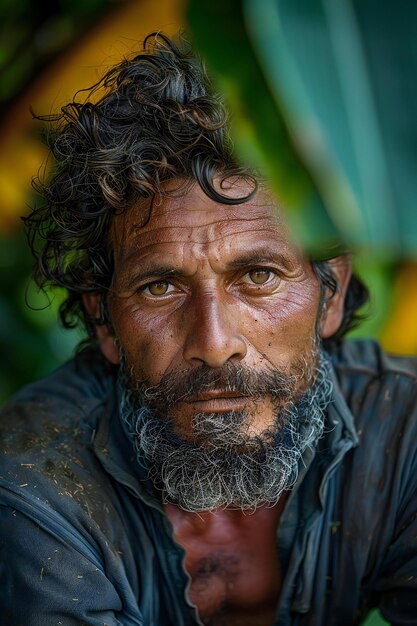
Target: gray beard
x,y
225,466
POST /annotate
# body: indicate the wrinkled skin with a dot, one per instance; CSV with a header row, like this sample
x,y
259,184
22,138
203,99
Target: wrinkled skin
x,y
205,283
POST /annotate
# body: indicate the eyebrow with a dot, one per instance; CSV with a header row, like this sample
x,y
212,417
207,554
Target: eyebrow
x,y
153,271
249,259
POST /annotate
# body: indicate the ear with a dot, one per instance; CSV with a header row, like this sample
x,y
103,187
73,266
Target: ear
x,y
332,312
106,340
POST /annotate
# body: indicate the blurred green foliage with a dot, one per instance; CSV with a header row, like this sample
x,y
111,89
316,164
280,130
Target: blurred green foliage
x,y
375,619
33,33
32,343
323,97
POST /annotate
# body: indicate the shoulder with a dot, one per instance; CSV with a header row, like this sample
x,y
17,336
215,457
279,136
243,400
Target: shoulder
x,y
373,381
47,410
45,432
381,393
366,357
55,491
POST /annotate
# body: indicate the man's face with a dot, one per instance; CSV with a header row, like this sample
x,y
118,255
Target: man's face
x,y
203,283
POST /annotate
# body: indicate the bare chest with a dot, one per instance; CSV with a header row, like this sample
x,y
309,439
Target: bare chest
x,y
234,586
234,570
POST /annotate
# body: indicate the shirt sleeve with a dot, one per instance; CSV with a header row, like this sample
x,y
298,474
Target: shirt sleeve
x,y
46,582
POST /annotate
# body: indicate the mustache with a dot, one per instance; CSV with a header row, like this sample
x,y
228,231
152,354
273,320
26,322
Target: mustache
x,y
176,387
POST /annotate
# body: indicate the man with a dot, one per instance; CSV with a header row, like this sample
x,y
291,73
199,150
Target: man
x,y
217,454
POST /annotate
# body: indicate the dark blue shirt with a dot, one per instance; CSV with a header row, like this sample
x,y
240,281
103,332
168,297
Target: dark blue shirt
x,y
85,540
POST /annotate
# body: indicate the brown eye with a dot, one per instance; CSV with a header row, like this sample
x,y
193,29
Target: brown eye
x,y
158,289
260,276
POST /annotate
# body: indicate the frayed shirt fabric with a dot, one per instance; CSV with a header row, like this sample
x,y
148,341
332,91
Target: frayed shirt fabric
x,y
84,539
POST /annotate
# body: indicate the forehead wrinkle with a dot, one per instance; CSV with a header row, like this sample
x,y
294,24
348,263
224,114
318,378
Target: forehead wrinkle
x,y
139,251
215,232
222,236
138,254
139,229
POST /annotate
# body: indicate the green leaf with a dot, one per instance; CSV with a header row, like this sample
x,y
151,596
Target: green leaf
x,y
323,95
375,619
261,135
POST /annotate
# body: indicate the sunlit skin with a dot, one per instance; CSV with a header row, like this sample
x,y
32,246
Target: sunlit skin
x,y
232,560
204,283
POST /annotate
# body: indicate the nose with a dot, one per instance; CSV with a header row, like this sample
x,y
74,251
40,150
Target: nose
x,y
212,332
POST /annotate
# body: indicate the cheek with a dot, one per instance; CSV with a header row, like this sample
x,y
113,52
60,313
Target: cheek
x,y
147,340
284,329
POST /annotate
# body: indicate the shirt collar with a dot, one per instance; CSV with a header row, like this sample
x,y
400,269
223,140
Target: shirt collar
x,y
113,447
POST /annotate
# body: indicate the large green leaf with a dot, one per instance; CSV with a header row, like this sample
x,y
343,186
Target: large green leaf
x,y
260,130
323,93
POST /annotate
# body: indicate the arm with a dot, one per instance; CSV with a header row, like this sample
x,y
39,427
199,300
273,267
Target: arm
x,y
46,581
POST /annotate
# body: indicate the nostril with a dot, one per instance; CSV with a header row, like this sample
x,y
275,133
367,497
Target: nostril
x,y
214,353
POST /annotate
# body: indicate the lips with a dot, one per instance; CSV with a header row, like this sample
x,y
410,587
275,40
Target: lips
x,y
218,401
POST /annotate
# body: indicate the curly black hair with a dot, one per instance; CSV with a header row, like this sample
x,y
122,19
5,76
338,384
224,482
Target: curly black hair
x,y
151,118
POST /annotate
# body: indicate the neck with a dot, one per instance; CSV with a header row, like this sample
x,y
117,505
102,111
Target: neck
x,y
267,512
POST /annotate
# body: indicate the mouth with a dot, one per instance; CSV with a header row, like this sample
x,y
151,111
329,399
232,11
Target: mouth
x,y
218,401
